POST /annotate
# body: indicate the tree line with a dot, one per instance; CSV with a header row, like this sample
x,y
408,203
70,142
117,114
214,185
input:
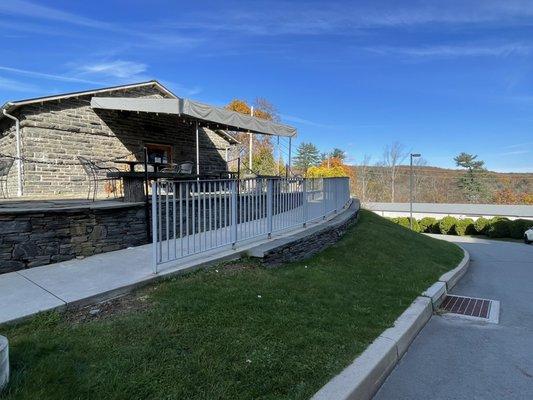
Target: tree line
x,y
387,179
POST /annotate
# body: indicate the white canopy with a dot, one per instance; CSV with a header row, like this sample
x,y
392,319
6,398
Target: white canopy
x,y
216,117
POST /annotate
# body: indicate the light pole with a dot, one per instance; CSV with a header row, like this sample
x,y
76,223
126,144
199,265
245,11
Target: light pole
x,y
413,155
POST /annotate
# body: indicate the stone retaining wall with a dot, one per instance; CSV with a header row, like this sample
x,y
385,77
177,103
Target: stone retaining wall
x,y
306,244
32,239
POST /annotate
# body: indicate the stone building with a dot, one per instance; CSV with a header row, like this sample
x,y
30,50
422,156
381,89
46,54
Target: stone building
x,y
55,130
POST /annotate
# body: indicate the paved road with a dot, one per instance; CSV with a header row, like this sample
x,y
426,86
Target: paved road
x,y
459,359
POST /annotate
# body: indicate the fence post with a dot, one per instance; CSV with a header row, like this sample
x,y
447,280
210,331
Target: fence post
x,y
335,194
154,227
324,192
234,211
270,205
305,202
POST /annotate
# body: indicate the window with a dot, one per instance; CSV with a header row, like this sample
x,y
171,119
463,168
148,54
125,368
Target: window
x,y
159,153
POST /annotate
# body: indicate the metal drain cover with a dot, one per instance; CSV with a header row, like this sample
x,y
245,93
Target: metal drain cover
x,y
471,308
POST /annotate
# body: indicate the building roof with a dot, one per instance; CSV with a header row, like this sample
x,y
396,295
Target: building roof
x,y
214,117
504,210
12,105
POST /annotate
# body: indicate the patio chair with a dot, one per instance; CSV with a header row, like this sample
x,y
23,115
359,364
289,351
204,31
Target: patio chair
x,y
96,174
184,168
5,167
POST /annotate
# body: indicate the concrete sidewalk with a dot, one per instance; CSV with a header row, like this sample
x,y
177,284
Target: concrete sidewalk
x,y
77,282
460,359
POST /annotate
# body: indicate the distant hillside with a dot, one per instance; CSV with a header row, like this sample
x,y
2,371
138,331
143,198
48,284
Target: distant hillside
x,y
442,185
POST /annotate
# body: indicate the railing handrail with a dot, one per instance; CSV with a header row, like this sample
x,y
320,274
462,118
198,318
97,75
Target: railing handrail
x,y
212,213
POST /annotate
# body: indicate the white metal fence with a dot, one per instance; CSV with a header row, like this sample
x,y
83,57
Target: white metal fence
x,y
190,217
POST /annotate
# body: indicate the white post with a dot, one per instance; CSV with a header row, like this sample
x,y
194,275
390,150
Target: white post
x,y
250,144
197,150
155,255
278,159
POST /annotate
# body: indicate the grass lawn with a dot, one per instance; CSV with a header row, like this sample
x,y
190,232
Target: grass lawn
x,y
239,332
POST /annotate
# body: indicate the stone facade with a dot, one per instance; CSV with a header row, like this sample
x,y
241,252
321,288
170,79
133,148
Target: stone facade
x,y
55,132
31,239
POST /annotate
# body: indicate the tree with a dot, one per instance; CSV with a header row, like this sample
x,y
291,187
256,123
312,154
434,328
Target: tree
x,y
364,178
471,183
393,156
262,149
307,156
331,168
338,153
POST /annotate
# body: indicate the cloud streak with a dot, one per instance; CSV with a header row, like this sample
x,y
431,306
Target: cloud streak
x,y
453,51
115,69
27,9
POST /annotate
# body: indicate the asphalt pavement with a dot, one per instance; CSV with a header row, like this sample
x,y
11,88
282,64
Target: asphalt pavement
x,y
460,359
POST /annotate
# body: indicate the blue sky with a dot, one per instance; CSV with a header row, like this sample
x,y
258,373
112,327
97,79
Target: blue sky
x,y
440,77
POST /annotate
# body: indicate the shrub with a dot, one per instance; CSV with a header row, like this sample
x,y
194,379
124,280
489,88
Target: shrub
x,y
404,221
447,225
428,225
481,225
518,227
464,227
499,227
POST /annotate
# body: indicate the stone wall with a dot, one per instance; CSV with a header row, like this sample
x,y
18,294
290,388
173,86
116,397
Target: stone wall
x,y
55,133
308,243
30,239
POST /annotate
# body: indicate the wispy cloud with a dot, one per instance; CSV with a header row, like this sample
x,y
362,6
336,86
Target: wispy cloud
x,y
514,153
452,51
303,121
10,84
53,77
27,9
289,18
519,145
115,69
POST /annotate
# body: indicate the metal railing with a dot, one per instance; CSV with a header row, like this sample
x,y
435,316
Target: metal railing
x,y
190,217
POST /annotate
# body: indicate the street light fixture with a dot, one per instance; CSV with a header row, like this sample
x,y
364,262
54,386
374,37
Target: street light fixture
x,y
413,155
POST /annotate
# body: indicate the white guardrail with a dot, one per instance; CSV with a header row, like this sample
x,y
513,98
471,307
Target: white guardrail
x,y
190,217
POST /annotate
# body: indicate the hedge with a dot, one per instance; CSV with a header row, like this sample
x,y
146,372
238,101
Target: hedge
x,y
428,225
497,227
481,225
465,227
447,225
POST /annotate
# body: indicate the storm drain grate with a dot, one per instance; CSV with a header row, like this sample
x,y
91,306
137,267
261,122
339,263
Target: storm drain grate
x,y
471,307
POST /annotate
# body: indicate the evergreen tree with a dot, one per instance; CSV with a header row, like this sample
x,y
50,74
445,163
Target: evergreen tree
x,y
307,155
471,183
338,153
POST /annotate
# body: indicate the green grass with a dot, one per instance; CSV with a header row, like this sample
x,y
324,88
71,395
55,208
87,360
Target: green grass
x,y
250,333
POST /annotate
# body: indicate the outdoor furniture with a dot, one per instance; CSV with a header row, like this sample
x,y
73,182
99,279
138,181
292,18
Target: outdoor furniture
x,y
183,168
133,182
132,164
96,174
5,167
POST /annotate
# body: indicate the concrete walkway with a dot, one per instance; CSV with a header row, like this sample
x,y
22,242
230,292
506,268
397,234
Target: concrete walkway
x,y
76,282
459,359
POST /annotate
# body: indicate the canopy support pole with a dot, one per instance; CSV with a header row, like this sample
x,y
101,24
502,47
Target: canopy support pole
x,y
290,151
250,149
197,150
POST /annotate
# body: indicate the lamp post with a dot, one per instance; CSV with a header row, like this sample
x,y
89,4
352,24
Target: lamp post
x,y
413,155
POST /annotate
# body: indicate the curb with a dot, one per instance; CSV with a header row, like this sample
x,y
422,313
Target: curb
x,y
451,278
363,378
4,362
